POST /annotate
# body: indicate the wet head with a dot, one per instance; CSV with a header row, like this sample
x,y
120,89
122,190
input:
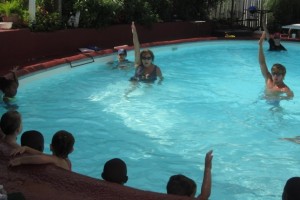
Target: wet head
x,y
147,57
278,72
11,89
122,54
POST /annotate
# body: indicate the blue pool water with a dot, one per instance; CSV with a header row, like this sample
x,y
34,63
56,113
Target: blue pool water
x,y
211,98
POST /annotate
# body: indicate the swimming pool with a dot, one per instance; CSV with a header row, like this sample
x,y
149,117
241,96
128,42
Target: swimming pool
x,y
211,98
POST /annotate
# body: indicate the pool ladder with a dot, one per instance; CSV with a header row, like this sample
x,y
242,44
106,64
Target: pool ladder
x,y
77,63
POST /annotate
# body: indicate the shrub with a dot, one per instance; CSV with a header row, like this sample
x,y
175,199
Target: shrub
x,y
47,17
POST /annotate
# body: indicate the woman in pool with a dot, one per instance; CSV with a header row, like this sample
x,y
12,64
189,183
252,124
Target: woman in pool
x,y
275,87
145,71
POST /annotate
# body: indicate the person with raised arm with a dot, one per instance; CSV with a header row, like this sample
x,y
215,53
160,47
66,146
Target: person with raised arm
x,y
275,41
184,186
146,70
275,87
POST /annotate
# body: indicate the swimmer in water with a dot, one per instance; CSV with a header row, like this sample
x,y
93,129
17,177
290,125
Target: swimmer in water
x,y
275,87
122,62
274,42
146,70
9,86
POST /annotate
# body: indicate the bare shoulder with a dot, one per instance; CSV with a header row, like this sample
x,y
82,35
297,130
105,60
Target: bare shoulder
x,y
63,163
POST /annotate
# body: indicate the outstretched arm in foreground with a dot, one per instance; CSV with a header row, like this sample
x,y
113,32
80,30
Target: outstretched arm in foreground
x,y
25,149
37,160
136,45
206,183
261,58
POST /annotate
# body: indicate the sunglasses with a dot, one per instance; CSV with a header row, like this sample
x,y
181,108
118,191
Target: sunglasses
x,y
146,58
276,74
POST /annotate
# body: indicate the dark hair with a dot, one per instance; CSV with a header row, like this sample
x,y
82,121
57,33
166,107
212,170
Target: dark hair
x,y
62,143
115,171
147,51
10,122
291,189
278,68
8,87
181,185
33,139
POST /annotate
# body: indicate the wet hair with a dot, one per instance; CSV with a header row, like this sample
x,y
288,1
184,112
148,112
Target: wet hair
x,y
115,171
148,51
10,122
278,68
33,139
181,185
291,189
8,87
62,143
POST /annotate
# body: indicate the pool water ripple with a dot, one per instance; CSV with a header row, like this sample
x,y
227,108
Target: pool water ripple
x,y
211,98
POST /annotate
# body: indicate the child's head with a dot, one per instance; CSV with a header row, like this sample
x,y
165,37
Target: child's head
x,y
115,171
291,189
33,139
279,69
62,144
181,185
122,53
9,87
11,123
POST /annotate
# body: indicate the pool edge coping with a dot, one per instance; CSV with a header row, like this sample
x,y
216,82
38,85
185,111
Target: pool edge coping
x,y
46,65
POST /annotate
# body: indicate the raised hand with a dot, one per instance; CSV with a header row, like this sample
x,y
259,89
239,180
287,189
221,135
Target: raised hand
x,y
133,29
14,69
208,159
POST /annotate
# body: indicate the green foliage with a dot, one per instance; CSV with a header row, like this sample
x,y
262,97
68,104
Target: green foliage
x,y
193,9
163,9
96,13
46,18
12,7
284,12
100,13
15,11
138,10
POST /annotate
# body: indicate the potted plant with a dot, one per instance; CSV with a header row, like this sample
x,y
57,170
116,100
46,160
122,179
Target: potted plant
x,y
11,11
